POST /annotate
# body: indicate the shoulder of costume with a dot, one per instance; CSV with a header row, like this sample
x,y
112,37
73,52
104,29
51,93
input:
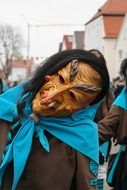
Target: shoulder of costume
x,y
8,102
13,93
121,100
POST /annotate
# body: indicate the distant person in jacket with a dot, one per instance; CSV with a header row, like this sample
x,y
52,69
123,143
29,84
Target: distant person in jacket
x,y
115,125
104,148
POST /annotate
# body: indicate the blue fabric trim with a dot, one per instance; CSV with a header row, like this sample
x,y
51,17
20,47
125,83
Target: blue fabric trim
x,y
94,167
75,130
111,174
93,182
9,137
121,100
104,149
100,184
8,103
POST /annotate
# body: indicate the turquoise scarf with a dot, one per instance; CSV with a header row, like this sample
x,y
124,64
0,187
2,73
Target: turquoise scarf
x,y
77,130
121,100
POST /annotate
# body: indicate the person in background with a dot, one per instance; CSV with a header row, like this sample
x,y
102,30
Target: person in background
x,y
48,137
118,85
3,86
106,147
115,125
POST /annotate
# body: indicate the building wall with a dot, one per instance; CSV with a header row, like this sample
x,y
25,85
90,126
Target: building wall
x,y
94,39
110,56
93,34
121,46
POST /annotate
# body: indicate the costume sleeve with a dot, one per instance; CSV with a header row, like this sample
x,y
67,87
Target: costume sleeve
x,y
85,174
8,111
109,125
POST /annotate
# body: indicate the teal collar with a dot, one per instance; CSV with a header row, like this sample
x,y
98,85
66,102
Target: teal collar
x,y
121,100
77,130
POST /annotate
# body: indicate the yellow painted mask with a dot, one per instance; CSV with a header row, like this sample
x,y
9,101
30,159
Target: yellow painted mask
x,y
74,87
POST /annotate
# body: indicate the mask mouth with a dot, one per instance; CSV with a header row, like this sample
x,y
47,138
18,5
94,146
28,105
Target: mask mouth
x,y
52,106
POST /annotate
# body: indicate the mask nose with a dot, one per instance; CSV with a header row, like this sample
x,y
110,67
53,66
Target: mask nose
x,y
69,109
57,95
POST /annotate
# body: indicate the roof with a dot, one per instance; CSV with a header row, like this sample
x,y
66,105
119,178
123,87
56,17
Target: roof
x,y
20,64
79,39
111,7
112,25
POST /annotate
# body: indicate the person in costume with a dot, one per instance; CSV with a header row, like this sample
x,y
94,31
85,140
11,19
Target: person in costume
x,y
3,86
48,137
104,149
115,125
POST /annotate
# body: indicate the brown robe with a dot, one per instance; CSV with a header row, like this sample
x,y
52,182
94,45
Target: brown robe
x,y
63,168
114,125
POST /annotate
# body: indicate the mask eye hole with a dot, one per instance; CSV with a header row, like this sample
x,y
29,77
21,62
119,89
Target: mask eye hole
x,y
72,95
61,79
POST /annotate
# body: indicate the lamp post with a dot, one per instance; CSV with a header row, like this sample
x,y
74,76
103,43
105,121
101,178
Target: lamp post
x,y
29,26
41,25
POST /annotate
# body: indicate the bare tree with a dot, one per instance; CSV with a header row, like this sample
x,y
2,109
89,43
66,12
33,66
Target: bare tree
x,y
11,43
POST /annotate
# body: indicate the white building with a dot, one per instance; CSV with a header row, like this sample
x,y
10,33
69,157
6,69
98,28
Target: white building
x,y
101,32
121,45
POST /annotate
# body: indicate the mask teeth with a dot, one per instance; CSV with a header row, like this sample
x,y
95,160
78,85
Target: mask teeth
x,y
52,104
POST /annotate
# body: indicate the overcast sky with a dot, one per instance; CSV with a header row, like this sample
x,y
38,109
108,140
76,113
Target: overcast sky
x,y
44,40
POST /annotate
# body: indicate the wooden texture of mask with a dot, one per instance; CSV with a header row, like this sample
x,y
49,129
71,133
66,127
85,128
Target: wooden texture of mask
x,y
74,69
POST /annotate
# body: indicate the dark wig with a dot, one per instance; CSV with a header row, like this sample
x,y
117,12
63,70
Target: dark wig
x,y
123,68
57,61
1,86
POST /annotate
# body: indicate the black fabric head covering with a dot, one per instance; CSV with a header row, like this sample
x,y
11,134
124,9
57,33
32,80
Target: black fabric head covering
x,y
1,86
57,61
123,68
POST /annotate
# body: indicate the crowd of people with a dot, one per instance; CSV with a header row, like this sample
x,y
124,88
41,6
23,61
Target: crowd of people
x,y
57,128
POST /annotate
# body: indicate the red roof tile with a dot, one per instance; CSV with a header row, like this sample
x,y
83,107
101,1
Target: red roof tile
x,y
112,25
115,7
20,63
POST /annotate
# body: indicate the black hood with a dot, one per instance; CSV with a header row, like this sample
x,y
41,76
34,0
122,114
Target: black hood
x,y
57,61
